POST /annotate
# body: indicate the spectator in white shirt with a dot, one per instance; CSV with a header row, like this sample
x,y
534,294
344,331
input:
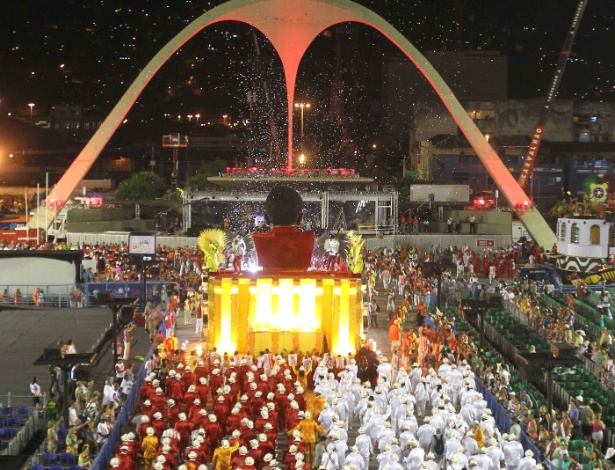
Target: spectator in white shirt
x,y
35,389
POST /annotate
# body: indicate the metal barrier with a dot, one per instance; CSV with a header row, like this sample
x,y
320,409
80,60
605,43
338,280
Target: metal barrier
x,y
58,296
379,230
10,399
53,295
502,419
122,237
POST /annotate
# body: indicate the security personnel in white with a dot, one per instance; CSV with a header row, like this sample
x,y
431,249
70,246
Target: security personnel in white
x,y
355,458
495,454
528,462
513,452
364,443
415,458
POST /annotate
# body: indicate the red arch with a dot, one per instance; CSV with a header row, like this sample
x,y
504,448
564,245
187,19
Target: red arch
x,y
291,26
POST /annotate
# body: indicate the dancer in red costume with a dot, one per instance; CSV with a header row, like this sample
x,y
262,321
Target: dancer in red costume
x,y
239,251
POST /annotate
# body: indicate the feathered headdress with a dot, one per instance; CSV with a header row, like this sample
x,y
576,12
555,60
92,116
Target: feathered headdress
x,y
212,243
355,255
334,240
234,240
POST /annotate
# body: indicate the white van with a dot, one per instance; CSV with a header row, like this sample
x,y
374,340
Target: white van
x,y
519,231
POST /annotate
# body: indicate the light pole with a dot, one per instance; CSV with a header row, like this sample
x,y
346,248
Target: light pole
x,y
302,107
302,160
487,136
115,304
197,117
224,118
175,141
67,362
31,105
438,268
478,308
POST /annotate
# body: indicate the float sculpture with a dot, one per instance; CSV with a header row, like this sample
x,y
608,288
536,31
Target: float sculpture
x,y
284,307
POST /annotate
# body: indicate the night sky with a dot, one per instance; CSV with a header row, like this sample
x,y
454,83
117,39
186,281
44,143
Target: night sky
x,y
88,52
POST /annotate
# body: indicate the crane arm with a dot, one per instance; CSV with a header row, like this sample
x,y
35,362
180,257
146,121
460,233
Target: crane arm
x,y
532,151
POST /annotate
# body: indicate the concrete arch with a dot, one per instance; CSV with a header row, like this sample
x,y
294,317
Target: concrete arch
x,y
291,26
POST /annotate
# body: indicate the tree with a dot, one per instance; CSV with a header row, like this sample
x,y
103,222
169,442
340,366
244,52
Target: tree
x,y
207,169
142,185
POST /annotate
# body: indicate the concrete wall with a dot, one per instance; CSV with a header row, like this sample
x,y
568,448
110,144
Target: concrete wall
x,y
108,220
112,226
32,271
97,215
428,242
487,222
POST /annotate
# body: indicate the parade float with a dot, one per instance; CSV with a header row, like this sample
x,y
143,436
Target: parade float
x,y
584,248
282,304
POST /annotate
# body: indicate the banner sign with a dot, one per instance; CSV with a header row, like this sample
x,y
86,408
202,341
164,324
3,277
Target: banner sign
x,y
530,157
142,243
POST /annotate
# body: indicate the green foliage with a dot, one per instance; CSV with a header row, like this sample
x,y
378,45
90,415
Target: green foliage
x,y
207,169
143,185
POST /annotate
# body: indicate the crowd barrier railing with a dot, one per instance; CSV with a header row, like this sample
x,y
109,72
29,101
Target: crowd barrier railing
x,y
59,295
54,295
12,400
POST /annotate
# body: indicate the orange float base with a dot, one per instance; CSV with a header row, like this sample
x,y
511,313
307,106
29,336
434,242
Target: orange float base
x,y
285,312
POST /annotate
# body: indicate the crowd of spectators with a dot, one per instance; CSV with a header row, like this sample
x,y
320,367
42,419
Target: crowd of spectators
x,y
91,413
413,289
557,322
401,274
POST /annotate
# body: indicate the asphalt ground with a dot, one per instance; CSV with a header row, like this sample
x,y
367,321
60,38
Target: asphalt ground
x,y
24,334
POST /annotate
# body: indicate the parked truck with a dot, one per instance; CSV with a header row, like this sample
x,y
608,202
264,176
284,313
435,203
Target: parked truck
x,y
519,231
442,193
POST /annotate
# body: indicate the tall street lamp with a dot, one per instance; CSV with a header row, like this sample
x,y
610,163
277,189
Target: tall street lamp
x,y
302,107
31,105
487,137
